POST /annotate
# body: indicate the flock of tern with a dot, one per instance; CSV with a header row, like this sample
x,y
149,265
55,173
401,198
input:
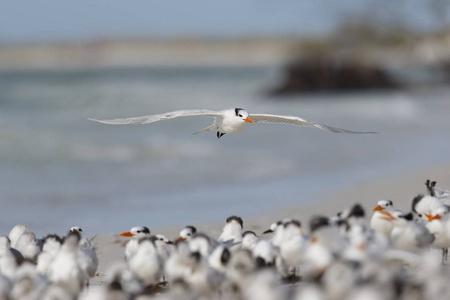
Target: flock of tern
x,y
47,268
394,255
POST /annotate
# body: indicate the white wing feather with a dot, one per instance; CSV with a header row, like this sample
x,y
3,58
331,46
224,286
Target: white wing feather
x,y
292,120
160,117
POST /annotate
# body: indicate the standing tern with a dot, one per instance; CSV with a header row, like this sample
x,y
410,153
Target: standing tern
x,y
136,233
232,233
382,218
230,121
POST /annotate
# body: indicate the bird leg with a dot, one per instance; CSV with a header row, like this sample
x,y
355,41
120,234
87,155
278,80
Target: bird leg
x,y
444,255
219,134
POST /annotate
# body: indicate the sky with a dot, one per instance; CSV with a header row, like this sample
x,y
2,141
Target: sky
x,y
56,20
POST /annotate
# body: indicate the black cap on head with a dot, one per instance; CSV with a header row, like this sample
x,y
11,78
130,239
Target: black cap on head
x,y
357,211
145,230
415,201
193,229
236,111
53,236
248,232
295,222
318,222
237,219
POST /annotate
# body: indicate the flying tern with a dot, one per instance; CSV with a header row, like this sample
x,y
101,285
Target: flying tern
x,y
226,121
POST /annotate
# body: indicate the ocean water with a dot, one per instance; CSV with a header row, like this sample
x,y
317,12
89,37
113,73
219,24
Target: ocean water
x,y
58,169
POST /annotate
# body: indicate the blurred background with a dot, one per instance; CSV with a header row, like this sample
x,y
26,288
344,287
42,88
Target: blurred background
x,y
367,65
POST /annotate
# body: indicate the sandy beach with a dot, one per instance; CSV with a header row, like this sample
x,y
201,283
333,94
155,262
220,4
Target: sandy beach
x,y
400,189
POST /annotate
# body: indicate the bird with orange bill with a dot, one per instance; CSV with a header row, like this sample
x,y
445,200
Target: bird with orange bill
x,y
382,218
231,121
186,233
136,233
439,225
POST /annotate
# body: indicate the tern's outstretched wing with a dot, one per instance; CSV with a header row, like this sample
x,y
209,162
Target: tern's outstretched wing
x,y
292,120
161,117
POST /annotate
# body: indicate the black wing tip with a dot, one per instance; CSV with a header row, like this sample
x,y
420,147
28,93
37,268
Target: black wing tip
x,y
362,132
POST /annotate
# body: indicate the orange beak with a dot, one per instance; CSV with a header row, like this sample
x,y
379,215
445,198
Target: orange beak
x,y
249,120
179,239
431,218
378,208
126,234
313,240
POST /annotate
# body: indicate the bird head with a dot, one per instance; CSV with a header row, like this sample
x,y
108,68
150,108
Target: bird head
x,y
383,204
242,114
139,231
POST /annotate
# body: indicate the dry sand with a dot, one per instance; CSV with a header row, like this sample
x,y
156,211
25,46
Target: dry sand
x,y
400,189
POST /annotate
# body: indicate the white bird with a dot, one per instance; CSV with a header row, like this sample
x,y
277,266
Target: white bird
x,y
439,225
422,206
264,253
219,258
65,269
325,243
202,243
16,232
52,245
187,233
146,263
120,278
26,244
178,264
84,241
136,233
88,258
410,235
382,218
277,228
239,274
28,284
293,244
232,233
164,246
10,258
230,121
249,240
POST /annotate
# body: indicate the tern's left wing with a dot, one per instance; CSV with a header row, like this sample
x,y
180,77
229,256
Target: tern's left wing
x,y
292,120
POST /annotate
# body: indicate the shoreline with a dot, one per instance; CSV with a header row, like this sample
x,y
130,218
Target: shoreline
x,y
401,189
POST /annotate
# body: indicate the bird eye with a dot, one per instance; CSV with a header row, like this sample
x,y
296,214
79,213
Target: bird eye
x,y
240,115
420,215
188,234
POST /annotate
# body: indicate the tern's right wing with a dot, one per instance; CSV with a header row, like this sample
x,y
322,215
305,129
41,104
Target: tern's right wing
x,y
160,117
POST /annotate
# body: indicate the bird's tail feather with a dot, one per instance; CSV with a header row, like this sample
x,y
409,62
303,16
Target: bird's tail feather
x,y
209,128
